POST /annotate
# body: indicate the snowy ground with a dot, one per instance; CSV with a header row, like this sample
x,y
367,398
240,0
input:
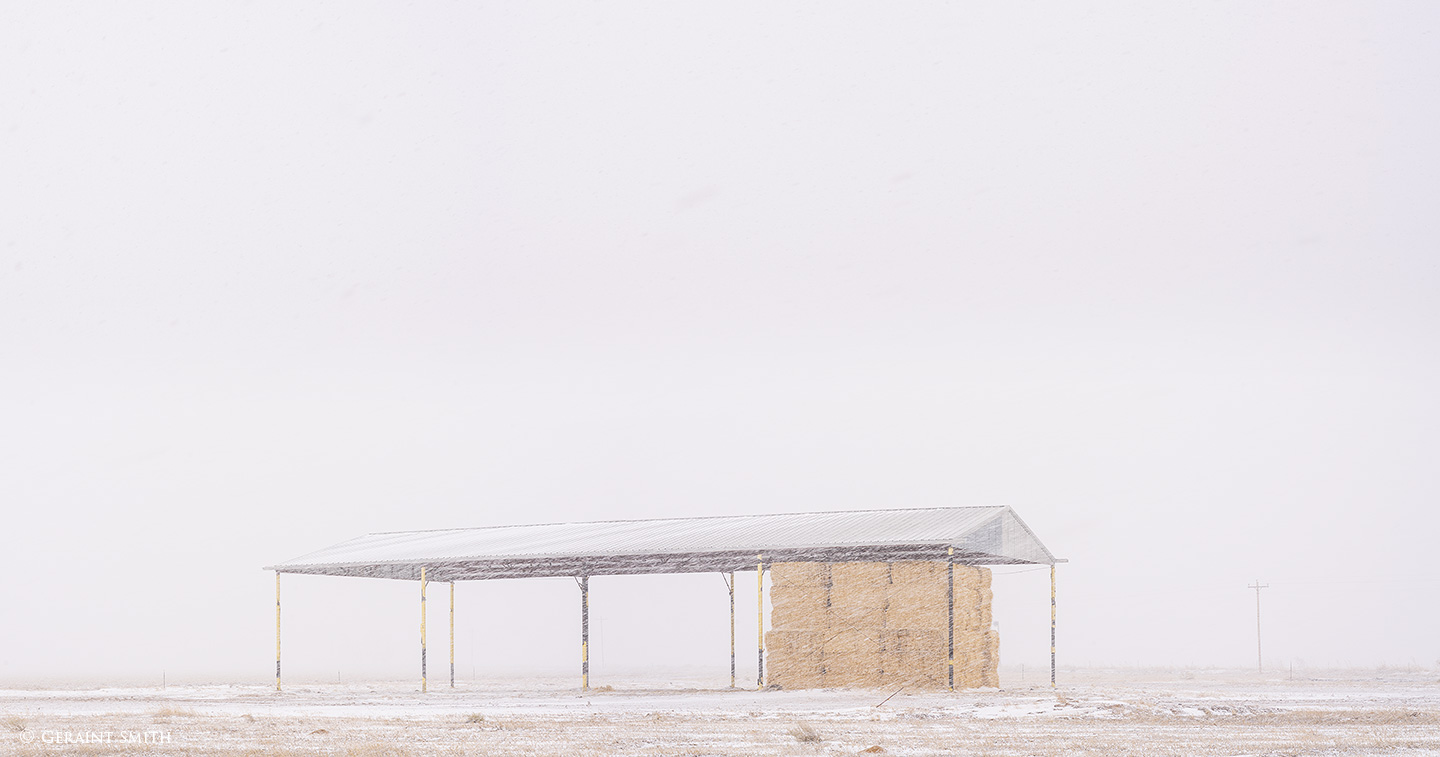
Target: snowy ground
x,y
1095,712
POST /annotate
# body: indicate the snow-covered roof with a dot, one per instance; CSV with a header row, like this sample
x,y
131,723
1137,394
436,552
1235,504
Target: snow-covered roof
x,y
980,535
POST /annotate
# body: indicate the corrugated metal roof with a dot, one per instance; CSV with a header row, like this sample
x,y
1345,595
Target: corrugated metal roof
x,y
980,535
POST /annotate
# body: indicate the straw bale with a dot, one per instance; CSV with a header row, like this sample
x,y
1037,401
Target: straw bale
x,y
969,579
984,605
853,659
795,659
857,595
991,673
912,642
916,604
799,607
913,571
796,677
799,573
981,656
800,596
972,602
852,575
798,647
913,658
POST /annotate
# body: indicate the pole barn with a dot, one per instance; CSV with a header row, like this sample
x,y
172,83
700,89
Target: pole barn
x,y
858,598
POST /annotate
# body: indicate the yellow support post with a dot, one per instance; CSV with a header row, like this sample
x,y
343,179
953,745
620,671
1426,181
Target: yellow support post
x,y
585,633
424,683
452,634
277,630
1052,625
760,620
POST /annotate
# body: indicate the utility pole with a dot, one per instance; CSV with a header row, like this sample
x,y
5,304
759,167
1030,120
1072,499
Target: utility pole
x,y
1259,661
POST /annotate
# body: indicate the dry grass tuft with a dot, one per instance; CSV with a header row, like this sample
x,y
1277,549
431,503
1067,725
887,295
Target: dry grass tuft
x,y
376,749
603,689
15,723
805,734
492,723
164,714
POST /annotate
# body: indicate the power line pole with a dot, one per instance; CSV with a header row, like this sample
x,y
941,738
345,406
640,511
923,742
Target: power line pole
x,y
1259,660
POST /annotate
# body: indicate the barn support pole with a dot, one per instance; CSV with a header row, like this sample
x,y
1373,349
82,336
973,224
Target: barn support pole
x,y
585,633
277,630
452,634
731,584
760,620
950,608
1052,625
424,681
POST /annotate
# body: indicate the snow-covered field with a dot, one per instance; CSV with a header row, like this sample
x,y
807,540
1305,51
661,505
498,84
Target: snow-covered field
x,y
1108,713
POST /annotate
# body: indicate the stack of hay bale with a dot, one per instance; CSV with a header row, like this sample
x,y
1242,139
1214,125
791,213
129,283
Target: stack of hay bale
x,y
799,622
873,624
855,645
915,625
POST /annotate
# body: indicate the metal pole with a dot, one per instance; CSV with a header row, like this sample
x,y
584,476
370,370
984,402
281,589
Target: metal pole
x,y
1259,661
585,632
1052,625
950,607
424,683
277,630
731,584
452,634
760,620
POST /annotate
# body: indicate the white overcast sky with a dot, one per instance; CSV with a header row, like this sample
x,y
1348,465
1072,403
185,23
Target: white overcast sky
x,y
1162,276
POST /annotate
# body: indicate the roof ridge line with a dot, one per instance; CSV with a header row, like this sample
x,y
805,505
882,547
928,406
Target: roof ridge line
x,y
691,517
